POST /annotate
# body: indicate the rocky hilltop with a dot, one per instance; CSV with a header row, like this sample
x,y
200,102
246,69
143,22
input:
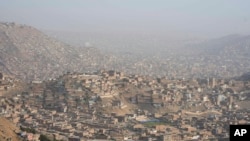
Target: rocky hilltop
x,y
29,54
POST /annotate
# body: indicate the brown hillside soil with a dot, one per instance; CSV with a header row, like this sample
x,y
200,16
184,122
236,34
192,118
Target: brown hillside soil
x,y
7,130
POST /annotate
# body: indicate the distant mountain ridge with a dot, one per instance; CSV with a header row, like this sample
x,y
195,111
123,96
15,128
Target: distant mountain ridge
x,y
29,54
244,77
236,44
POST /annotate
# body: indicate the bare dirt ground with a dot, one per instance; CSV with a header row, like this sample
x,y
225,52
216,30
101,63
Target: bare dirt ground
x,y
8,130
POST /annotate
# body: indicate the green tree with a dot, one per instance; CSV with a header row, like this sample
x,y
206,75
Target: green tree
x,y
44,138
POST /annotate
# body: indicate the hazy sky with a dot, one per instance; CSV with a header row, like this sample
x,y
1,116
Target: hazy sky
x,y
209,17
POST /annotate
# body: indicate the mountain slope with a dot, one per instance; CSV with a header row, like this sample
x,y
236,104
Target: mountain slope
x,y
244,77
8,130
231,44
30,54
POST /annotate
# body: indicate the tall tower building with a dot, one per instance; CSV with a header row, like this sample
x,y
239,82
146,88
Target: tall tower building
x,y
230,102
213,83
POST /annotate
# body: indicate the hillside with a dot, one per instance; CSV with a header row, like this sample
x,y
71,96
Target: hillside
x,y
228,45
8,130
244,77
29,54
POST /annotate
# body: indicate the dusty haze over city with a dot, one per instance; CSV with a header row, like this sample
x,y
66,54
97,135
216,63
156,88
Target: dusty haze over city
x,y
131,25
124,70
